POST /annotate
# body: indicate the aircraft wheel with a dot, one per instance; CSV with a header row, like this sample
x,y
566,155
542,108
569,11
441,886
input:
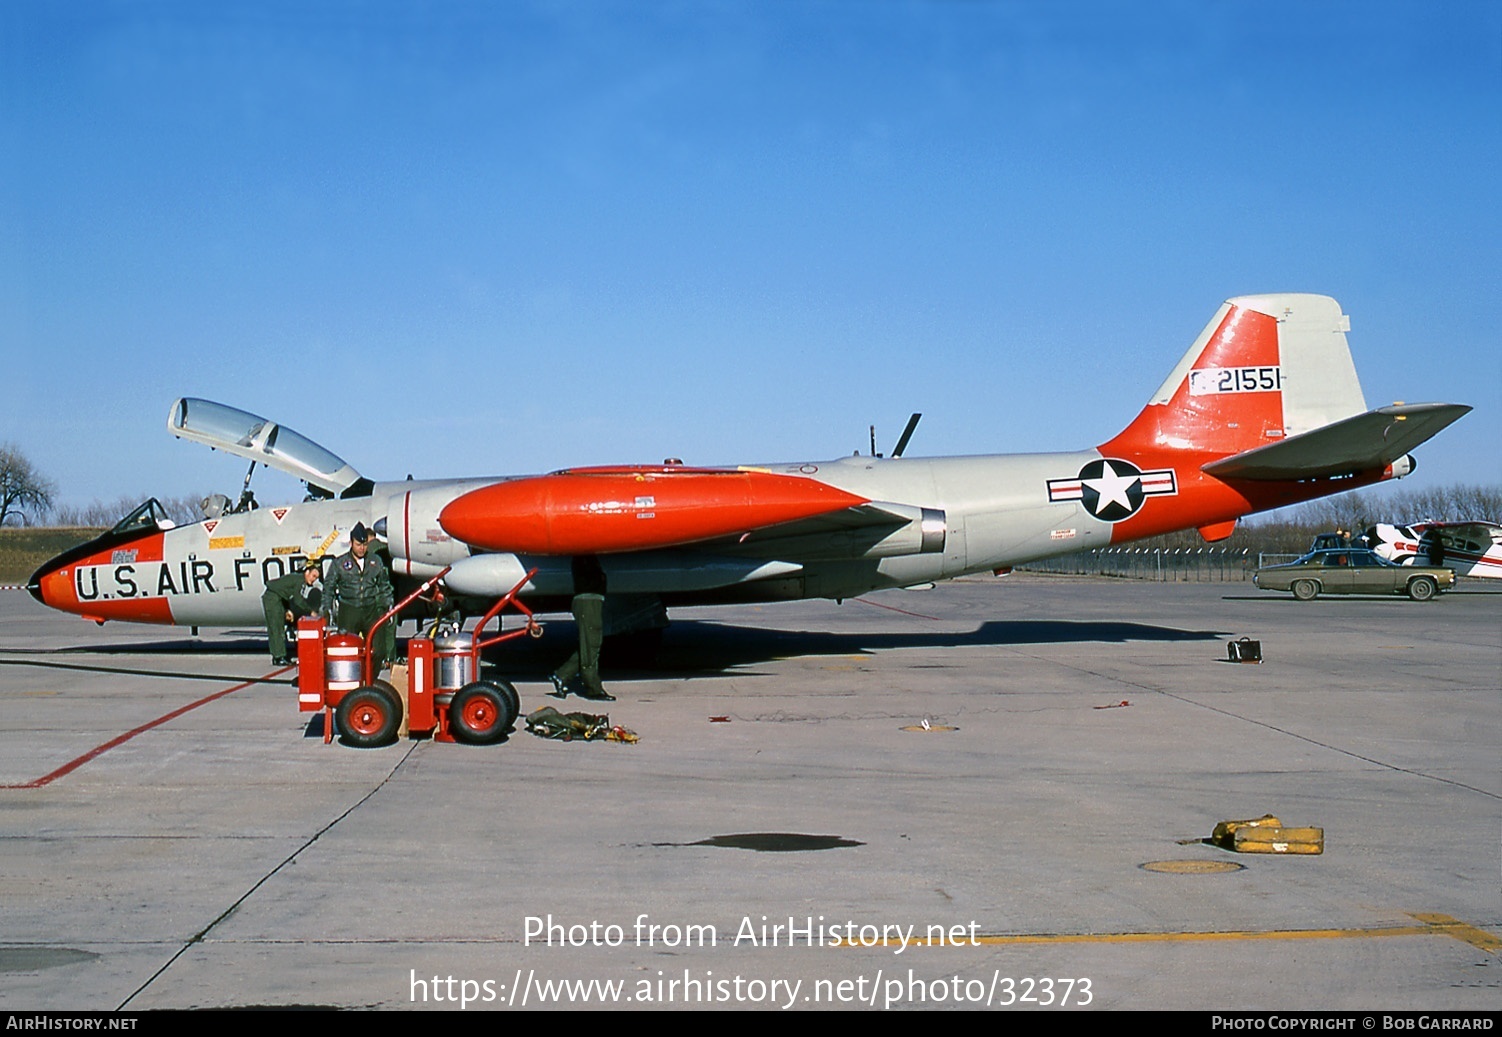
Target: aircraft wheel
x,y
1422,588
1305,590
483,712
369,717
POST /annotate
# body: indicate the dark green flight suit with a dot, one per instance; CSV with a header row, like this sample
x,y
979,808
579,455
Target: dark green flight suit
x,y
355,596
589,618
283,595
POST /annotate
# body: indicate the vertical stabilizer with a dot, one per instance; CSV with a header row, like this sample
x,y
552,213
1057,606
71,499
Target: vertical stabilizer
x,y
1265,368
1320,386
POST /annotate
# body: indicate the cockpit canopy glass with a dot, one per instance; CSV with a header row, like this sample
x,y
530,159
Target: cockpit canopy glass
x,y
149,516
248,435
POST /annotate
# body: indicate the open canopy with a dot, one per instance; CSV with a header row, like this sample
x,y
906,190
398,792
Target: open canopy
x,y
247,435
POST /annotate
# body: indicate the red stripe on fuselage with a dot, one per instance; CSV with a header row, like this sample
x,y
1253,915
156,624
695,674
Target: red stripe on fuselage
x,y
1204,500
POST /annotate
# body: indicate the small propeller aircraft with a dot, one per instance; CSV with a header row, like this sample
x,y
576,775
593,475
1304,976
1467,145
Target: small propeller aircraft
x,y
1264,410
1470,548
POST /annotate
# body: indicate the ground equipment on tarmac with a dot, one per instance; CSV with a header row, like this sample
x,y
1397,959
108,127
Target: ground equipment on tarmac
x,y
445,698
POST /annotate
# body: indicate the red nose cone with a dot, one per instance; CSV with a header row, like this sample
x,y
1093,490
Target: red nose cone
x,y
613,510
109,578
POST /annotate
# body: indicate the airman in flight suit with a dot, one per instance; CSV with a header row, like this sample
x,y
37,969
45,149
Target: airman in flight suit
x,y
357,592
287,599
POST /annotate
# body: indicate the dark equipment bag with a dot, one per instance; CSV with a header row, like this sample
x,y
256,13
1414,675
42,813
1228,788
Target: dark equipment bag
x,y
1244,650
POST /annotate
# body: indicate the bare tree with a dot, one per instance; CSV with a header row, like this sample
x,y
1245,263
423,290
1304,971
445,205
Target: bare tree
x,y
101,514
24,491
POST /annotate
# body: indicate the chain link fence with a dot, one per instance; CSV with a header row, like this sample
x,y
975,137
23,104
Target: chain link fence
x,y
1165,565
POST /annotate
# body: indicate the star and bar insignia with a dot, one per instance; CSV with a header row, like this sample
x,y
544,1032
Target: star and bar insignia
x,y
1112,489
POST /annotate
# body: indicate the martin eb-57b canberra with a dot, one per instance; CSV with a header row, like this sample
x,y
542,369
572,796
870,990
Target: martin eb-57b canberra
x,y
1263,410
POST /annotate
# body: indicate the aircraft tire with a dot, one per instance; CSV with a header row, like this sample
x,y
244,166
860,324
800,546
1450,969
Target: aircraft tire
x,y
1422,588
483,712
1305,590
369,717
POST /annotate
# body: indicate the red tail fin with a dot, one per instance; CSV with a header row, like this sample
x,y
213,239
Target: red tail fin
x,y
1266,367
1227,400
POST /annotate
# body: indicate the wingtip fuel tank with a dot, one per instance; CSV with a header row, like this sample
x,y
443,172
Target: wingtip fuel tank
x,y
614,510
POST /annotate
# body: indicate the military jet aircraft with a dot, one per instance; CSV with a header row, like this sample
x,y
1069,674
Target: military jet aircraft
x,y
1264,410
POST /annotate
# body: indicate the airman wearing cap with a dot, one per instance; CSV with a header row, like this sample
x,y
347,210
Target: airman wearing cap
x,y
286,600
357,592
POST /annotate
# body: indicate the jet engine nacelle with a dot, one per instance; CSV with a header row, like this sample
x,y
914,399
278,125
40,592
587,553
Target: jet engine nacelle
x,y
1401,467
646,572
419,546
878,529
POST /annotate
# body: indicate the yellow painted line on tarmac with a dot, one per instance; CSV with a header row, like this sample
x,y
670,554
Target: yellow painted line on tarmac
x,y
1431,925
1470,934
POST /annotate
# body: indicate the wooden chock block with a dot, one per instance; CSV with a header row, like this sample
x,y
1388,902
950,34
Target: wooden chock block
x,y
1280,840
1225,832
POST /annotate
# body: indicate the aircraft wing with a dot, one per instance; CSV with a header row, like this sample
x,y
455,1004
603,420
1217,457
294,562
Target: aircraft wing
x,y
1357,444
871,530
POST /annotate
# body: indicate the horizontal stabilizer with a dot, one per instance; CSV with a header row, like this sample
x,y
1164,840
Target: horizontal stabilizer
x,y
1358,444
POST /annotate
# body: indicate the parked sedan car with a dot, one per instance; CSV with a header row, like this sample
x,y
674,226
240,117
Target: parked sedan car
x,y
1353,570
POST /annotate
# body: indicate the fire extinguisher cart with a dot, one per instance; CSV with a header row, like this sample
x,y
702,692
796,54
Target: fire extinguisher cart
x,y
445,698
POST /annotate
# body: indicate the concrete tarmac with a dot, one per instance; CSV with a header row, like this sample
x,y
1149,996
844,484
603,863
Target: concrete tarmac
x,y
1084,737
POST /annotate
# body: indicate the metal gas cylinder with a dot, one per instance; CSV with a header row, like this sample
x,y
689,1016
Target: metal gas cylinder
x,y
454,658
343,658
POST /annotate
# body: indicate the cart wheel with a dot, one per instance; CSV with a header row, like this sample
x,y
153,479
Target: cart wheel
x,y
513,702
369,717
482,712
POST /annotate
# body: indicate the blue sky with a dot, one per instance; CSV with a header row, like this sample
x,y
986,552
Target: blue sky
x,y
474,238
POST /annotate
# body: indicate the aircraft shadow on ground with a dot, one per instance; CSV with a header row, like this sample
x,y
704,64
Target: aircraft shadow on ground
x,y
706,648
246,643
